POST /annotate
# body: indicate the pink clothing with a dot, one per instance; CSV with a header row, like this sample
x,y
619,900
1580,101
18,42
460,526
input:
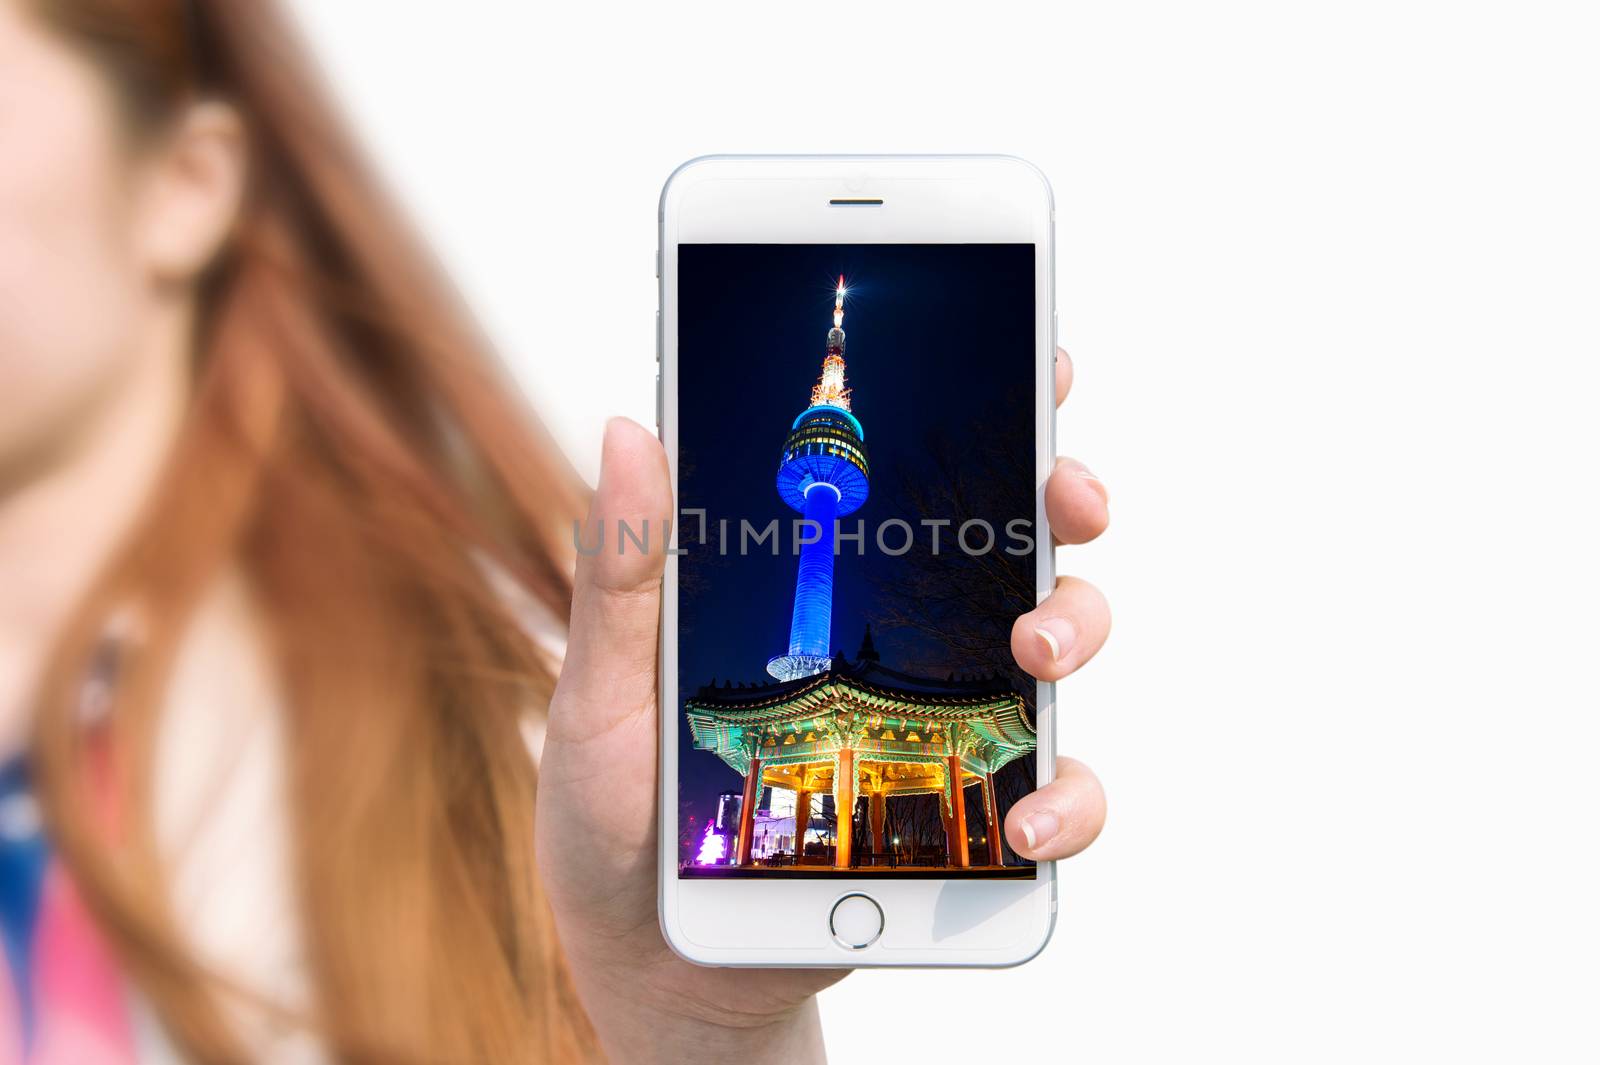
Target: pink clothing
x,y
80,1009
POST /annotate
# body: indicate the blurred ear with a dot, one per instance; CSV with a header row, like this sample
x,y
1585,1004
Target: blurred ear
x,y
192,193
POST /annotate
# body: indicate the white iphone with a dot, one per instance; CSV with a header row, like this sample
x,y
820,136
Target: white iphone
x,y
856,398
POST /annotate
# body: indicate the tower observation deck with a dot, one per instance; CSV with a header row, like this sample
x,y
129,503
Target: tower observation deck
x,y
823,475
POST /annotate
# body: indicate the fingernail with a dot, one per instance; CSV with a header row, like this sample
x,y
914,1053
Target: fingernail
x,y
615,428
1083,472
1040,827
1058,636
608,439
1076,468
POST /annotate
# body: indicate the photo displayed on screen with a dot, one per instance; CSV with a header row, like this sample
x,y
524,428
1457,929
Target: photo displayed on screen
x,y
857,535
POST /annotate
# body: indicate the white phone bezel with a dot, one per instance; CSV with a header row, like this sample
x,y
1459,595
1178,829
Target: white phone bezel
x,y
785,200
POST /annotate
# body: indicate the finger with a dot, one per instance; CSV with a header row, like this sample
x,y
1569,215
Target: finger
x,y
1063,375
1063,632
1075,502
1061,818
610,666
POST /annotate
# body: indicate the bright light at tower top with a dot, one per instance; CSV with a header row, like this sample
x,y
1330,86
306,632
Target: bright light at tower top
x,y
830,390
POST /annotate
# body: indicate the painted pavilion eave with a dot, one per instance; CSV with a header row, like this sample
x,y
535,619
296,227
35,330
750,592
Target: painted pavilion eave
x,y
810,721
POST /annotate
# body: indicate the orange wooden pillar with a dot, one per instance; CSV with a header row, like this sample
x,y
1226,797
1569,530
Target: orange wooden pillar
x,y
844,800
802,818
997,839
956,827
878,810
747,812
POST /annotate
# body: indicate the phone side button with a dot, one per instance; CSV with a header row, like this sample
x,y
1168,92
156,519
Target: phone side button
x,y
856,921
658,403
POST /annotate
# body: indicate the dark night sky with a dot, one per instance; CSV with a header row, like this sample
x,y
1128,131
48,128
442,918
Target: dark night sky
x,y
939,341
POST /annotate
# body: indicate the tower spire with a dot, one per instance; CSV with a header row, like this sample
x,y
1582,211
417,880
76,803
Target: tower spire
x,y
829,391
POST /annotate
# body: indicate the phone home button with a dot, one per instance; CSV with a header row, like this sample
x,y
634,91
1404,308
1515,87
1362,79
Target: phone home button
x,y
856,921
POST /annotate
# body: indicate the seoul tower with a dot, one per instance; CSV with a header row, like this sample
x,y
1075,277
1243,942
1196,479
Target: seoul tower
x,y
823,475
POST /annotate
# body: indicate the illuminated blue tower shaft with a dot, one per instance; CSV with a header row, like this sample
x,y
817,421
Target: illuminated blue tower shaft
x,y
823,475
811,627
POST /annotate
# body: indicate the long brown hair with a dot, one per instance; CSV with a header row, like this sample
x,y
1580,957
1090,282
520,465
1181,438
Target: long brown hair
x,y
353,450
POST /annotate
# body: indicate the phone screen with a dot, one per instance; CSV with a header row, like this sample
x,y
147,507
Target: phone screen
x,y
856,536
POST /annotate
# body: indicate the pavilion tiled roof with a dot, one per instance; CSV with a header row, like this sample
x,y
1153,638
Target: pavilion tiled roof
x,y
987,705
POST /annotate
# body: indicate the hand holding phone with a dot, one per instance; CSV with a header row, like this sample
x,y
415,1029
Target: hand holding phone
x,y
598,813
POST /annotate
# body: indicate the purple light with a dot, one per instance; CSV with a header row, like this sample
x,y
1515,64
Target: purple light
x,y
713,846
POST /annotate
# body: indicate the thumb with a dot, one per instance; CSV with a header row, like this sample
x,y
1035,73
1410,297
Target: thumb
x,y
610,668
1061,818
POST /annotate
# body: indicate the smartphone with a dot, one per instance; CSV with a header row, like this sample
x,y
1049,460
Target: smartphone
x,y
857,402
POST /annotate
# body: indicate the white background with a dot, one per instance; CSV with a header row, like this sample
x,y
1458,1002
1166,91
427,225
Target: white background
x,y
1329,277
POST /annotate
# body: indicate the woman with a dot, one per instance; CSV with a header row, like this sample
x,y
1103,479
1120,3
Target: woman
x,y
284,577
